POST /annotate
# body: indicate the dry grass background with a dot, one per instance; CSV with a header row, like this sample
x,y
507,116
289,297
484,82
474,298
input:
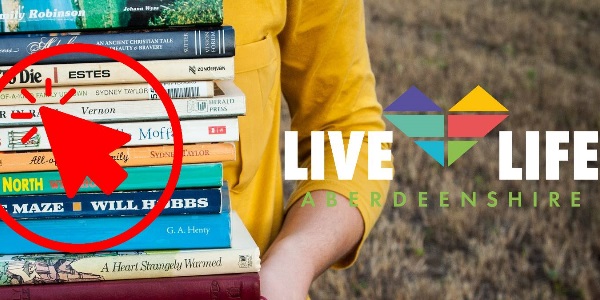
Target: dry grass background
x,y
541,59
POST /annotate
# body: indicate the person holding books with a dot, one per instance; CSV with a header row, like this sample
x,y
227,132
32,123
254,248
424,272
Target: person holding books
x,y
315,54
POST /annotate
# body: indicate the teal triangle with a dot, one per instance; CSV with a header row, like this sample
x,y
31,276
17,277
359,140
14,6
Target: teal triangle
x,y
419,125
435,149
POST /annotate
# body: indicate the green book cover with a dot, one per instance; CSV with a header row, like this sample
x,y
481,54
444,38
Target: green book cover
x,y
69,15
139,178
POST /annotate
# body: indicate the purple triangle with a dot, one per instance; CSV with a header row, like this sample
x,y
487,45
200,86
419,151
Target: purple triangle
x,y
413,100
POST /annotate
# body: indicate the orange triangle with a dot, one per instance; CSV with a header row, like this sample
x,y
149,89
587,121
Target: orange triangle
x,y
478,100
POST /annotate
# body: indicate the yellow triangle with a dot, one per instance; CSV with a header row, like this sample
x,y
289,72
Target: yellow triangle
x,y
478,100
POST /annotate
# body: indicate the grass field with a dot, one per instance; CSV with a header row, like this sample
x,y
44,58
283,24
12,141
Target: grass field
x,y
541,59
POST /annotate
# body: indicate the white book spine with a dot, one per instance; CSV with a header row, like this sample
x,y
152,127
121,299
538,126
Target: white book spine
x,y
109,92
121,111
142,134
116,73
174,264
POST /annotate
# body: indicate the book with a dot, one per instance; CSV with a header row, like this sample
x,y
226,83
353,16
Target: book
x,y
215,287
139,45
124,203
166,232
138,178
11,162
142,134
218,68
109,92
60,15
229,103
241,257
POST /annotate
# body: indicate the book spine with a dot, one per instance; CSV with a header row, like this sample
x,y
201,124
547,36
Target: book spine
x,y
166,232
121,111
129,203
138,178
220,68
152,45
214,287
125,157
142,134
61,15
71,268
109,92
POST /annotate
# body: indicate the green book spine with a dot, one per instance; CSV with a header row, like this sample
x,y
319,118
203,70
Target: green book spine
x,y
139,178
68,15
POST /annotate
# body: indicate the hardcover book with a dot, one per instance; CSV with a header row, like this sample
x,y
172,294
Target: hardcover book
x,y
142,134
215,287
218,68
138,178
108,92
61,15
229,101
127,203
166,232
242,257
126,157
139,45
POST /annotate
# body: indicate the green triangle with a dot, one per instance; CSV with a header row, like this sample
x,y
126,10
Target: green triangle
x,y
456,149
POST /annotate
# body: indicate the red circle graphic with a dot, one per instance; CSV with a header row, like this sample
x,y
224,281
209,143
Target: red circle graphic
x,y
177,140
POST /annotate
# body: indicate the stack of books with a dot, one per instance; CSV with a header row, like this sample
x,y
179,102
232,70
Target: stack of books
x,y
198,247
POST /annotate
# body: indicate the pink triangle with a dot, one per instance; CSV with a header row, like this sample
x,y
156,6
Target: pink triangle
x,y
472,126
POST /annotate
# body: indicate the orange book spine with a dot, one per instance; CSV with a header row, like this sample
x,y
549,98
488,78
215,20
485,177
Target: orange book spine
x,y
11,162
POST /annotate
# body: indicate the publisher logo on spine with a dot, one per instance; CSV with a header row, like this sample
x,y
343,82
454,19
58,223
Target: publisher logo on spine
x,y
217,130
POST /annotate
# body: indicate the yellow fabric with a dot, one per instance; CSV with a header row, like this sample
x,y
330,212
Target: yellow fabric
x,y
315,53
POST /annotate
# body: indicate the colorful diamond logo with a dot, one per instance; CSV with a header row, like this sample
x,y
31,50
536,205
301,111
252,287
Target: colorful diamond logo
x,y
474,116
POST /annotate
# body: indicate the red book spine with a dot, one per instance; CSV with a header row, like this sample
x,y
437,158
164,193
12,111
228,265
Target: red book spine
x,y
214,287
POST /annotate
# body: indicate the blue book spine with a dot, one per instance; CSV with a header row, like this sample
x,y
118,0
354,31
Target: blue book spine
x,y
166,232
130,203
140,45
138,178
